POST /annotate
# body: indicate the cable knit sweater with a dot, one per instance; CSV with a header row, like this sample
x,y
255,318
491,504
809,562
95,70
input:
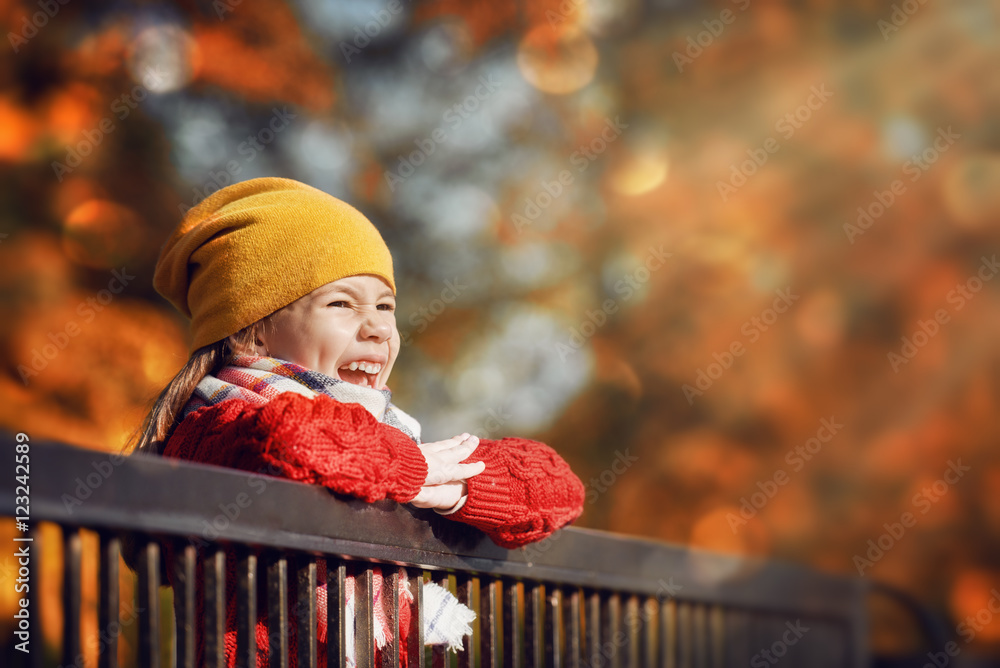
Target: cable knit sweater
x,y
526,492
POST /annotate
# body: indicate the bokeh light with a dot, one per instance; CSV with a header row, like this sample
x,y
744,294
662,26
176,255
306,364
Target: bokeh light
x,y
557,59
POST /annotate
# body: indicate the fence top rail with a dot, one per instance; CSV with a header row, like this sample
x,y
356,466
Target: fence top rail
x,y
161,496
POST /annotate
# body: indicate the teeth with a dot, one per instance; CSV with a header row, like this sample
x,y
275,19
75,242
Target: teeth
x,y
367,367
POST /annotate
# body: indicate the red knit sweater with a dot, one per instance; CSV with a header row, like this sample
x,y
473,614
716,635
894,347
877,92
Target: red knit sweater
x,y
526,492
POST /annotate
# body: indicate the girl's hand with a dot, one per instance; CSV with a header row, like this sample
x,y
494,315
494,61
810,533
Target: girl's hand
x,y
443,459
440,497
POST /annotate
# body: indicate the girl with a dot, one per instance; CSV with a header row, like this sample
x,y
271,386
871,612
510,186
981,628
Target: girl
x,y
291,297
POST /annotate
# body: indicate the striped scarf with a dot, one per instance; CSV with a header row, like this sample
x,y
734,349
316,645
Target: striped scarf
x,y
260,379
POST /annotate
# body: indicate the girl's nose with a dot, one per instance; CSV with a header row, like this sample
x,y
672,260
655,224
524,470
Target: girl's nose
x,y
376,326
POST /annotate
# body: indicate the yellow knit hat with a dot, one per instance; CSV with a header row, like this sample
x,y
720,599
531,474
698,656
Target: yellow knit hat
x,y
256,246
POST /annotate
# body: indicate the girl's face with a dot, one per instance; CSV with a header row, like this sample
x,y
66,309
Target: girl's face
x,y
345,329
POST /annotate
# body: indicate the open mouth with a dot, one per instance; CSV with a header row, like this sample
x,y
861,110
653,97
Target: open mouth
x,y
361,373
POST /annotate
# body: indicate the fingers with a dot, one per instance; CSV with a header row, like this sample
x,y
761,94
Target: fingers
x,y
463,449
455,473
447,468
466,471
439,497
447,444
444,460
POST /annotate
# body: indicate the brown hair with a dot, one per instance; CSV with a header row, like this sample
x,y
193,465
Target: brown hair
x,y
151,436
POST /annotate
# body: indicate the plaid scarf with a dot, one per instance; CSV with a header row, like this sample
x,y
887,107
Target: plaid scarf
x,y
260,379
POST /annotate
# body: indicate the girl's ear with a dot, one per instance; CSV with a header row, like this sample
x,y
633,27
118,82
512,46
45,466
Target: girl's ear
x,y
234,344
240,347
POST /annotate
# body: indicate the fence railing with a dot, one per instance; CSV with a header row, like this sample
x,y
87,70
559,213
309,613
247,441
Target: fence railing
x,y
580,599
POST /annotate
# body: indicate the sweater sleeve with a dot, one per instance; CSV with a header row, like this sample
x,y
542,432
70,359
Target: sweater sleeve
x,y
315,440
526,492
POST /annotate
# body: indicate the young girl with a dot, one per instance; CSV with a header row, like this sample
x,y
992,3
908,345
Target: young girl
x,y
291,297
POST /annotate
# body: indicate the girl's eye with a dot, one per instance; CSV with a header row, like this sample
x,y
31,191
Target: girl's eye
x,y
338,304
386,307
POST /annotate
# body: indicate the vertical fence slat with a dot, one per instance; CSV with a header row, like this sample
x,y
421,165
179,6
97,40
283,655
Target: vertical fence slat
x,y
71,595
336,604
700,636
149,603
513,632
668,634
592,630
685,636
737,639
391,589
574,648
554,629
464,587
533,641
277,611
717,636
185,558
439,657
364,639
246,608
305,612
489,593
108,610
416,657
632,624
36,641
214,569
649,633
612,628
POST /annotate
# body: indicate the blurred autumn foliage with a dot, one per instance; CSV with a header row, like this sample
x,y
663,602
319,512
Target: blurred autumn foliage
x,y
745,247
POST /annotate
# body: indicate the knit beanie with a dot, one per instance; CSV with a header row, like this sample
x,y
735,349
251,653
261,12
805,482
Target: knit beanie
x,y
256,246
